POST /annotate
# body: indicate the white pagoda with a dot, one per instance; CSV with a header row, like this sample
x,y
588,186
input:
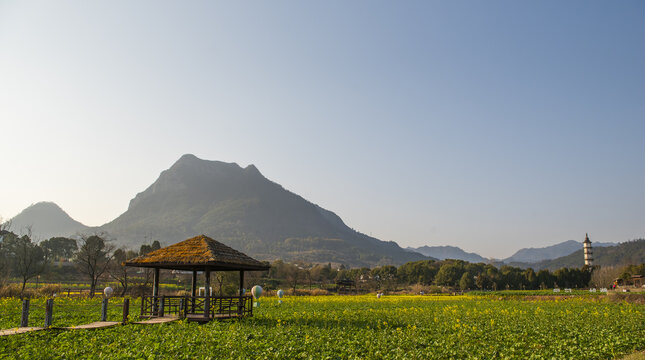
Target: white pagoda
x,y
588,251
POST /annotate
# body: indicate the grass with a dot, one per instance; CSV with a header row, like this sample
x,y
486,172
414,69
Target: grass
x,y
363,327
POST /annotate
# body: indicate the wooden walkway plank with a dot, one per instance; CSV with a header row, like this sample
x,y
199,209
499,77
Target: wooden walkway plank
x,y
94,325
19,330
157,320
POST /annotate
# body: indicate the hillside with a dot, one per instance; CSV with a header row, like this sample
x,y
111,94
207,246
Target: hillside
x,y
241,208
46,220
448,252
533,255
630,252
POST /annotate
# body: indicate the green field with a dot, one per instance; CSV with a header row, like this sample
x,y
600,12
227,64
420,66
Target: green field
x,y
359,327
67,311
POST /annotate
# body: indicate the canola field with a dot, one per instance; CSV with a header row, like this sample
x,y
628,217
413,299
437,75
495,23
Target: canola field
x,y
357,327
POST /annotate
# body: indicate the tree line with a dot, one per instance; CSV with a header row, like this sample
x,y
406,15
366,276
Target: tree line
x,y
93,258
447,274
90,258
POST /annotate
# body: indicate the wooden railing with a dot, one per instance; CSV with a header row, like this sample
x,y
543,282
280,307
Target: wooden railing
x,y
183,306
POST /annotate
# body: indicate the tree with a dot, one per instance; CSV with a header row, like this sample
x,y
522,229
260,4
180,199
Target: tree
x,y
4,256
448,274
605,276
530,279
118,271
147,272
322,274
418,272
293,276
385,276
466,281
58,248
545,279
27,259
93,258
482,281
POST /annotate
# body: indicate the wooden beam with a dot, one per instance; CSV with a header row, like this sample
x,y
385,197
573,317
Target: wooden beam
x,y
155,284
155,292
240,304
193,292
207,293
193,287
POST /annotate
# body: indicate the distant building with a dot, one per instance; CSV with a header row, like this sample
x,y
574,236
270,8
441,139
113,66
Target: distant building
x,y
588,251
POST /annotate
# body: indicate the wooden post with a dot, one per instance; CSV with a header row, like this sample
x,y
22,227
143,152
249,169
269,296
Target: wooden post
x,y
163,305
155,292
49,307
104,306
240,306
143,302
193,291
155,283
24,319
193,286
207,293
182,308
241,281
126,310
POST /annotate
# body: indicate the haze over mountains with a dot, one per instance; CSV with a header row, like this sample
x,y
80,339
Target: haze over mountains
x,y
533,255
237,206
448,252
521,258
628,252
46,220
245,210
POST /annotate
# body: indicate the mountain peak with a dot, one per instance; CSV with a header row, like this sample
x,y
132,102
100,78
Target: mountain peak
x,y
44,207
186,157
46,219
248,212
190,161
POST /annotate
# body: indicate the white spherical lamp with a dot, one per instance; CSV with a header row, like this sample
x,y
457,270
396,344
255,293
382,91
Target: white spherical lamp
x,y
108,291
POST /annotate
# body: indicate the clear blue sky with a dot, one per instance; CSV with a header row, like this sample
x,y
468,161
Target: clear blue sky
x,y
487,125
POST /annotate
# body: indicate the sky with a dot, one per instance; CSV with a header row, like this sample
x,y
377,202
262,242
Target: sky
x,y
491,126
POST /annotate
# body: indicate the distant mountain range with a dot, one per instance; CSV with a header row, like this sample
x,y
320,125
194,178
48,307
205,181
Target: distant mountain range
x,y
448,252
245,210
237,206
629,252
533,255
520,258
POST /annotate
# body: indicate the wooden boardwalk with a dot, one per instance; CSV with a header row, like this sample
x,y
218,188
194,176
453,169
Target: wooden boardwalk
x,y
157,320
19,330
94,325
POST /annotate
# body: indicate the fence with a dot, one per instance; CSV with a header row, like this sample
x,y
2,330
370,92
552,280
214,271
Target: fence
x,y
32,315
184,306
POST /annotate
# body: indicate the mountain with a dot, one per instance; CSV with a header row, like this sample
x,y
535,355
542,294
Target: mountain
x,y
46,220
630,252
243,209
533,255
448,252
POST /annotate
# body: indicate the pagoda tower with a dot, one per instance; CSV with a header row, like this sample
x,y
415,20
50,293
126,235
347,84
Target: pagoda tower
x,y
588,251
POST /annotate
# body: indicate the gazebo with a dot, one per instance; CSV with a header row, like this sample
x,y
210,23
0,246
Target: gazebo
x,y
200,253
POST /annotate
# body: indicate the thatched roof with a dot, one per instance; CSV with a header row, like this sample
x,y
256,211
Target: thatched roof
x,y
197,253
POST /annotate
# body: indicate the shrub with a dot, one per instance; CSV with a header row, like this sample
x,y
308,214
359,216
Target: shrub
x,y
13,290
49,289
